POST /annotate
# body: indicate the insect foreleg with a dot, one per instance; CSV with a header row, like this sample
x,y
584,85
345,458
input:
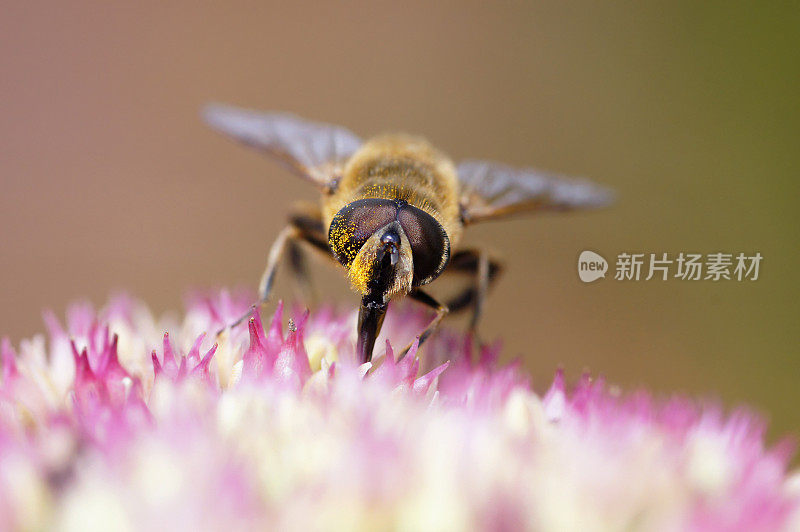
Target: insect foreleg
x,y
276,252
441,312
485,272
289,239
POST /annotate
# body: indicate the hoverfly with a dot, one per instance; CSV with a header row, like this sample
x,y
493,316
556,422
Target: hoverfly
x,y
392,210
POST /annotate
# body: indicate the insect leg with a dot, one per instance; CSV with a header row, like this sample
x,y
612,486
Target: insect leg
x,y
301,228
276,252
265,285
485,271
312,232
441,312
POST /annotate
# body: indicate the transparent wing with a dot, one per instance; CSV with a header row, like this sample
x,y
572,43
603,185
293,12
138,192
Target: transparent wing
x,y
492,190
315,151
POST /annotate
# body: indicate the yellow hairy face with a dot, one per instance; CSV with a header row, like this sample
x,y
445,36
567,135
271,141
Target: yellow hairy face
x,y
362,269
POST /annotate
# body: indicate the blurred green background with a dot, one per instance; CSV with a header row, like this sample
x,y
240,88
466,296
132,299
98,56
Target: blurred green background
x,y
690,110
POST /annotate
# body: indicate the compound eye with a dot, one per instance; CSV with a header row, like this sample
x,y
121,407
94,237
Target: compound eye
x,y
430,244
355,223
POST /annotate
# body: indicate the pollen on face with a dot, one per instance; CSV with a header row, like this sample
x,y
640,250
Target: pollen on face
x,y
360,273
341,241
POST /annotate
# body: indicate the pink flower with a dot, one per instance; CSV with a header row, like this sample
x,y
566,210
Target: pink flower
x,y
111,423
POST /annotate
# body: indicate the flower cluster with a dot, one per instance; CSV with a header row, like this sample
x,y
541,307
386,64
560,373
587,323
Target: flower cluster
x,y
111,424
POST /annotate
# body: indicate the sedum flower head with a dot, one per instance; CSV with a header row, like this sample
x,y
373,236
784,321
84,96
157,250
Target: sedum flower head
x,y
108,423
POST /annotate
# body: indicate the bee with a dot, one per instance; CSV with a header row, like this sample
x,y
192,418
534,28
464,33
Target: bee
x,y
392,211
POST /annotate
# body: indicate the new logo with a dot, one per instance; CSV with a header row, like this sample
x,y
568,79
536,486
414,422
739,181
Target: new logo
x,y
591,266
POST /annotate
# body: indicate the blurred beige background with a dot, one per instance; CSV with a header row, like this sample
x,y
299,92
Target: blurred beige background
x,y
110,180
